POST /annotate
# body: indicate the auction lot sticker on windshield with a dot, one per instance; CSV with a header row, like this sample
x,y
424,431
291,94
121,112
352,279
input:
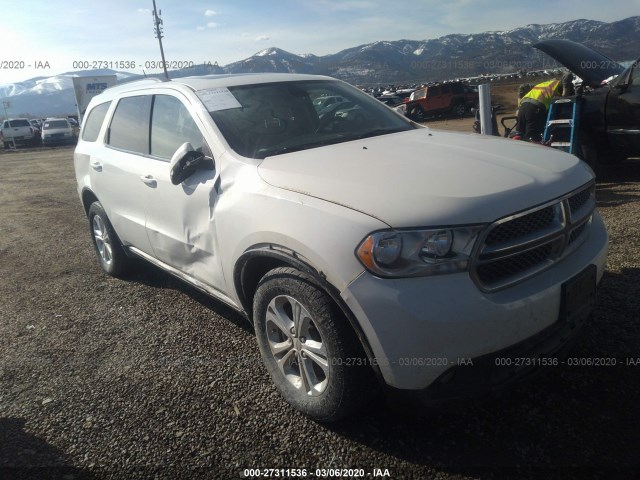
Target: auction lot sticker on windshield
x,y
218,99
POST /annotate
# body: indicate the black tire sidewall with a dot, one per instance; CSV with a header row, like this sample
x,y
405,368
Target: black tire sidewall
x,y
120,263
416,113
345,378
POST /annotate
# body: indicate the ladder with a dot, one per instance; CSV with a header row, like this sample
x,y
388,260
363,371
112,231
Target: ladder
x,y
561,129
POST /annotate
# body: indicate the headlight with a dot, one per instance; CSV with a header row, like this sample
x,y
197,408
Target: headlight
x,y
414,253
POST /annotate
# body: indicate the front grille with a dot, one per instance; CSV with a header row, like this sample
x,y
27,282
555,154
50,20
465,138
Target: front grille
x,y
577,232
519,246
577,201
514,265
521,226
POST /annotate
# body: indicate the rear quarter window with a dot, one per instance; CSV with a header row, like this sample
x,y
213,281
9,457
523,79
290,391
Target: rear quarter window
x,y
94,122
129,129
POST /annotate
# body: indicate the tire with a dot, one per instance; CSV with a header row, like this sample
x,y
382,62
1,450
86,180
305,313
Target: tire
x,y
313,357
459,110
111,255
416,114
587,150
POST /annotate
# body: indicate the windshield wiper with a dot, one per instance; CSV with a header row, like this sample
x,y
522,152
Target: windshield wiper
x,y
332,141
304,146
376,133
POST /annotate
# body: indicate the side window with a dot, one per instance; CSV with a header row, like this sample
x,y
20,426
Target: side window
x,y
446,89
129,129
94,122
433,92
171,126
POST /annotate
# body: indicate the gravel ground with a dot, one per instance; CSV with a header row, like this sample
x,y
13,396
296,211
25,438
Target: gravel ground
x,y
144,378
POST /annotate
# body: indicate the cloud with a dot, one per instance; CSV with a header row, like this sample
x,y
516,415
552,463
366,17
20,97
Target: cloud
x,y
212,25
143,10
201,28
210,13
262,38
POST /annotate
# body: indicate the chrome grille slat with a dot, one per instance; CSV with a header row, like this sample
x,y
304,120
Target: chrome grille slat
x,y
521,226
517,247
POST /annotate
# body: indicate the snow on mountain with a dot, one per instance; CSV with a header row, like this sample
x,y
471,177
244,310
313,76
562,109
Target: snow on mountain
x,y
455,55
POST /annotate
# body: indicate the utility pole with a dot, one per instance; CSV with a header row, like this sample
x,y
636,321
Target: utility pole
x,y
157,30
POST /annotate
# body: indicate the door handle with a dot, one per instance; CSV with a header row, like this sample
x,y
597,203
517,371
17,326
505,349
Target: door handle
x,y
97,166
149,180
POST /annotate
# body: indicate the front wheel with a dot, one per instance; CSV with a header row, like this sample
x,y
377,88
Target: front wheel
x,y
311,352
113,259
416,114
586,150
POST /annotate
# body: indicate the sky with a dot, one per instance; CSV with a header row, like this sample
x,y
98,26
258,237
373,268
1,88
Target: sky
x,y
45,38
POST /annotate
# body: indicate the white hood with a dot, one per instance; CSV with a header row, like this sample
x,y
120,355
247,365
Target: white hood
x,y
429,177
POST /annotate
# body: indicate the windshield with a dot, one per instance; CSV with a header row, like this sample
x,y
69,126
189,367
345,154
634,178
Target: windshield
x,y
277,118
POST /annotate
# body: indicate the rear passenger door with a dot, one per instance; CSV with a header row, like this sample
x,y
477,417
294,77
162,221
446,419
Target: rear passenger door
x,y
118,174
181,219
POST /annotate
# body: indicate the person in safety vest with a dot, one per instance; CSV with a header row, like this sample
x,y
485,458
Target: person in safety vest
x,y
533,106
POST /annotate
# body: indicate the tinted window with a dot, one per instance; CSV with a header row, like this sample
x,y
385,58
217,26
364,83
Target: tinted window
x,y
446,89
171,126
129,129
457,88
94,122
433,91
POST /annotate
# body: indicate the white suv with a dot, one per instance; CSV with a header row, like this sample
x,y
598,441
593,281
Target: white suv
x,y
365,249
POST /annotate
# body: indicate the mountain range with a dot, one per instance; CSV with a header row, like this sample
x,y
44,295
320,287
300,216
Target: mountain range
x,y
382,62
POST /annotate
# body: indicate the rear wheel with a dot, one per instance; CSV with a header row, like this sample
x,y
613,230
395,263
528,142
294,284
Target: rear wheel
x,y
111,255
311,352
459,109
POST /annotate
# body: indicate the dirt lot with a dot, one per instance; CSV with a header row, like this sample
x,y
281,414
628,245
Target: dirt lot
x,y
105,378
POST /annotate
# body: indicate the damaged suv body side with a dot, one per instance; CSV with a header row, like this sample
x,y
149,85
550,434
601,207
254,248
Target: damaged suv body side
x,y
358,245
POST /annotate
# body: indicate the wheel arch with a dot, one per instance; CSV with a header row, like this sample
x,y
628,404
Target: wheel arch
x,y
254,263
88,197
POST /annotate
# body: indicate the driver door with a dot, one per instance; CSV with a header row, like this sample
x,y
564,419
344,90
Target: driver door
x,y
181,220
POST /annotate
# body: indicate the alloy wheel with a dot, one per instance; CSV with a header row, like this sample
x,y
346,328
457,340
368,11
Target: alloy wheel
x,y
297,345
103,241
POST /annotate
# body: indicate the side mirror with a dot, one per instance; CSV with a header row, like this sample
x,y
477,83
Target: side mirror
x,y
184,162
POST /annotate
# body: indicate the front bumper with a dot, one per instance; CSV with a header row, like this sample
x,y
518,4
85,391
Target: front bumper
x,y
59,141
421,328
